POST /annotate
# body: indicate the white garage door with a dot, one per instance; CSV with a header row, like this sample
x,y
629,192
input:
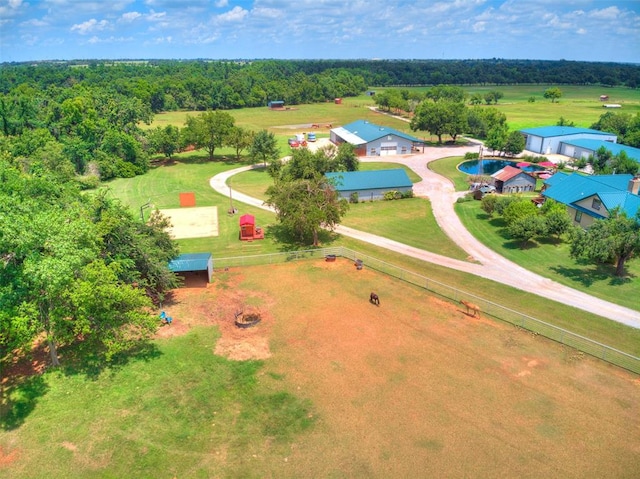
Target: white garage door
x,y
388,149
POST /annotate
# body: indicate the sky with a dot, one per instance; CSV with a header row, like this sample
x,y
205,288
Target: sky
x,y
585,30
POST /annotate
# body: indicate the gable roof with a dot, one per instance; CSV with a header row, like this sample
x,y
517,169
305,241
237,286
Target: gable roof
x,y
370,180
190,262
614,148
610,189
508,172
362,131
551,131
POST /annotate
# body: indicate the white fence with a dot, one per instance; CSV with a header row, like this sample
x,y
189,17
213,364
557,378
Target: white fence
x,y
586,345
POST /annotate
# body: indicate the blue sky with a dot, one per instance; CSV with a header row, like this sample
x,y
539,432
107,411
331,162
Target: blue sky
x,y
592,30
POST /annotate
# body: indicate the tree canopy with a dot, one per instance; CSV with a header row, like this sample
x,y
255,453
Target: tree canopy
x,y
81,270
612,240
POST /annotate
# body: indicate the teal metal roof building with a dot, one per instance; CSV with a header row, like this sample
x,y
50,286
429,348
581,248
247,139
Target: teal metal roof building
x,y
370,185
589,198
548,139
583,148
188,262
374,140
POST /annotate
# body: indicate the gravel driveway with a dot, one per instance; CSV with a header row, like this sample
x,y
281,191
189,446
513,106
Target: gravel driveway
x,y
486,263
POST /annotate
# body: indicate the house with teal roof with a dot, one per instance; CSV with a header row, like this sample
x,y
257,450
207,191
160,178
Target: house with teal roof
x,y
370,139
590,198
547,140
370,185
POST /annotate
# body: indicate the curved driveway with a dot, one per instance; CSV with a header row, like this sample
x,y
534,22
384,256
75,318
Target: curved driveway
x,y
486,262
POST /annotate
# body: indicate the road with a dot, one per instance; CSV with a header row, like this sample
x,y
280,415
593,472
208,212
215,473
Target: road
x,y
484,262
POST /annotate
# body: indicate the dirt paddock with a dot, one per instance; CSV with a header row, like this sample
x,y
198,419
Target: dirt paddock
x,y
415,387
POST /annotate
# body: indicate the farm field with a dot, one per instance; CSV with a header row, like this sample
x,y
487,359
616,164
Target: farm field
x,y
328,385
578,104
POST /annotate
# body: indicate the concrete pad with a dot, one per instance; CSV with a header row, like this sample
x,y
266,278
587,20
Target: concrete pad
x,y
199,222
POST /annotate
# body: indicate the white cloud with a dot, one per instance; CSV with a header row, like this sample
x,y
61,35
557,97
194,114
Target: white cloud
x,y
156,16
95,40
222,3
34,22
479,26
90,26
581,31
610,13
130,16
237,14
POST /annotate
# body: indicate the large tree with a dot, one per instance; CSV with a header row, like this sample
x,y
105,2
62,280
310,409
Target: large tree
x,y
615,239
306,206
440,117
264,147
209,130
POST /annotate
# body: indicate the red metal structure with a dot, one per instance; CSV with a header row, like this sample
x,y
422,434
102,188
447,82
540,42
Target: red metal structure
x,y
248,229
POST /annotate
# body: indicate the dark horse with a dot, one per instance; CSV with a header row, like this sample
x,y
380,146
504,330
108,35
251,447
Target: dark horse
x,y
373,299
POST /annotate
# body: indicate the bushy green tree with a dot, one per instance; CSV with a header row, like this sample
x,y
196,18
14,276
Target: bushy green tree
x,y
553,93
612,240
209,130
264,147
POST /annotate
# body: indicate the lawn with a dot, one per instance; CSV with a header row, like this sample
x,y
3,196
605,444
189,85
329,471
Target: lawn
x,y
163,184
579,103
552,259
343,389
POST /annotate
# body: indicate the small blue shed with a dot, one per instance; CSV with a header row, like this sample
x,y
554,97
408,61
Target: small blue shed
x,y
193,262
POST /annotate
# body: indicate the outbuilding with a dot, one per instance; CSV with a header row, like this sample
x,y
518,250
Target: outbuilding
x,y
370,139
513,180
546,140
190,262
585,148
371,185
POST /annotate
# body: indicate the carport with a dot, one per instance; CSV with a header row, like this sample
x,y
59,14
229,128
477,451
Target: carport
x,y
193,262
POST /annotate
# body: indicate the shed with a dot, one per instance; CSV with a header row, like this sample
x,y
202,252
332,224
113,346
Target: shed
x,y
276,104
187,262
338,101
371,185
248,229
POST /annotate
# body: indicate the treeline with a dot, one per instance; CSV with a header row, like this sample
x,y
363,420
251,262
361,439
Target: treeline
x,y
189,85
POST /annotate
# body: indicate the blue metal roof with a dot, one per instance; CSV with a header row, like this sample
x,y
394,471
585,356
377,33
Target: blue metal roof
x,y
611,189
614,148
370,180
190,262
371,132
551,131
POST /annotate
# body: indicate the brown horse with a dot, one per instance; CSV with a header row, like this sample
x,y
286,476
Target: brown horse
x,y
374,299
471,307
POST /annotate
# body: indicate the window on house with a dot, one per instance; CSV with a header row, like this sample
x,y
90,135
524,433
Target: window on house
x,y
596,203
578,216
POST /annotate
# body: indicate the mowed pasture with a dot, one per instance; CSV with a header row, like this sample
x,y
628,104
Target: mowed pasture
x,y
579,104
337,387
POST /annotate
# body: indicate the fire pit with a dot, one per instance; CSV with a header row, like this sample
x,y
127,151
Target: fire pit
x,y
246,320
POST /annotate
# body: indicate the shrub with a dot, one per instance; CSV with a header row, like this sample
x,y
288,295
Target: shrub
x,y
353,197
469,155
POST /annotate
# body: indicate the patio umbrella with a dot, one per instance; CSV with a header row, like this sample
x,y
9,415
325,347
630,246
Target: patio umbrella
x,y
547,164
522,163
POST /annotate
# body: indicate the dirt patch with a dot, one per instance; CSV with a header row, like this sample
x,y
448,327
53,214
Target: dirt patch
x,y
194,222
216,304
8,457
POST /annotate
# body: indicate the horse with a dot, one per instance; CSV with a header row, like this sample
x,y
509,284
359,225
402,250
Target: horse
x,y
471,307
374,299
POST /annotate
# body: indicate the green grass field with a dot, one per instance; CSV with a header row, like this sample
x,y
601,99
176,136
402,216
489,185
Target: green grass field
x,y
350,390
